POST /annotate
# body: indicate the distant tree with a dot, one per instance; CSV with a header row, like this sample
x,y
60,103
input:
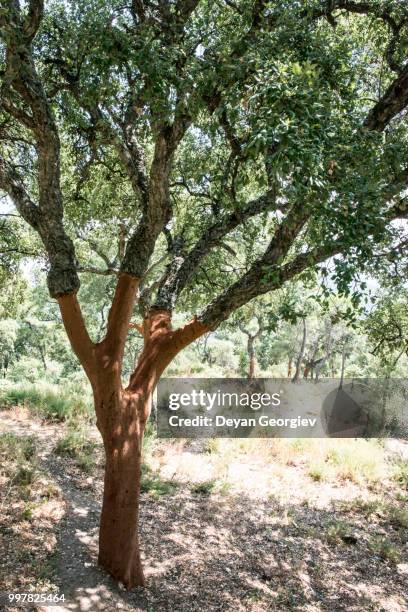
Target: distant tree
x,y
259,317
277,128
8,334
387,328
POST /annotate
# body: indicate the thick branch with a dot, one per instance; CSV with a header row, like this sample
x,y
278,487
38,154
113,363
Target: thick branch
x,y
34,18
181,269
395,99
391,104
118,320
141,244
76,330
12,184
21,74
98,271
263,275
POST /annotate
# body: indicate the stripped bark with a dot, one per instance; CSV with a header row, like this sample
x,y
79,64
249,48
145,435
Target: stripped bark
x,y
122,412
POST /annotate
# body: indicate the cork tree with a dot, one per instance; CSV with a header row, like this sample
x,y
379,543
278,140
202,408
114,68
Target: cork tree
x,y
227,147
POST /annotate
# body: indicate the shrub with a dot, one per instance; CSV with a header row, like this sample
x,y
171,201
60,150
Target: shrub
x,y
75,442
19,448
401,473
18,459
77,445
399,517
204,488
385,549
358,460
337,531
152,483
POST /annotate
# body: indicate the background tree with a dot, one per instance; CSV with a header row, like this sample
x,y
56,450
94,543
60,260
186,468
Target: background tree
x,y
179,130
253,320
387,328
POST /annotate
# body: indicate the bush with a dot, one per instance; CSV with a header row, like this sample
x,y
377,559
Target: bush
x,y
152,483
18,458
77,445
18,448
360,460
75,442
401,473
27,368
204,488
385,549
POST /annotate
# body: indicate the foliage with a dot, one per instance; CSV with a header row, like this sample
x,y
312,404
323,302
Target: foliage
x,y
265,113
387,327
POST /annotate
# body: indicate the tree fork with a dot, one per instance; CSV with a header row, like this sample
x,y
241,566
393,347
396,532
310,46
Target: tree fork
x,y
122,413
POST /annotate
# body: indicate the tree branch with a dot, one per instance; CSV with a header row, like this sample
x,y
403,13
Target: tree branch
x,y
98,271
263,275
77,332
391,104
12,183
33,19
118,321
141,244
21,74
182,268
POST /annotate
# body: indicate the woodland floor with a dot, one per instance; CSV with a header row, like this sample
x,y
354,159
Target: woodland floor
x,y
219,532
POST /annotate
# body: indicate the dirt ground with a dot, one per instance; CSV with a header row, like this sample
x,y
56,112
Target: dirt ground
x,y
269,537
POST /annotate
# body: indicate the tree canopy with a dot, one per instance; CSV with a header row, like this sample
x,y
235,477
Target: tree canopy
x,y
205,153
235,145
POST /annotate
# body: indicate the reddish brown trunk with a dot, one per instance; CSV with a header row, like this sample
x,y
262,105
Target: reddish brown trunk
x,y
122,414
290,362
119,551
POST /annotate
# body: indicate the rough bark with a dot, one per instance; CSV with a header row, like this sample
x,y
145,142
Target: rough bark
x,y
392,103
121,424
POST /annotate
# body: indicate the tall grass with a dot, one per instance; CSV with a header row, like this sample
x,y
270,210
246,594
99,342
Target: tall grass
x,y
18,459
47,401
78,444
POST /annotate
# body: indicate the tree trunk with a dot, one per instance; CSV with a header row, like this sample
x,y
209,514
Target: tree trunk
x,y
301,353
343,365
290,367
251,357
121,414
121,417
119,551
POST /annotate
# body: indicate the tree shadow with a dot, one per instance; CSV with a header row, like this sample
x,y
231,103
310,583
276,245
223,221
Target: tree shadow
x,y
226,552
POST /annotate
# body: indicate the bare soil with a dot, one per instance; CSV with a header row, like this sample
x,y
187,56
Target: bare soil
x,y
273,539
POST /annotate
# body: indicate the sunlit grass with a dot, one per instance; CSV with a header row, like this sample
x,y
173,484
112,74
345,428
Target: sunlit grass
x,y
46,401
